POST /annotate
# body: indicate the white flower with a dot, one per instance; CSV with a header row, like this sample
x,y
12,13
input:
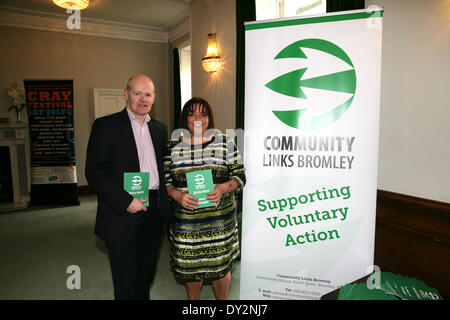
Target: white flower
x,y
16,93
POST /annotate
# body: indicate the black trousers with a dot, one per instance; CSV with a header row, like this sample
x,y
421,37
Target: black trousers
x,y
133,264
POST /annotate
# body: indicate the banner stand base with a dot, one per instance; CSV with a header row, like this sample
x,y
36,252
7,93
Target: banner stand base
x,y
57,194
334,295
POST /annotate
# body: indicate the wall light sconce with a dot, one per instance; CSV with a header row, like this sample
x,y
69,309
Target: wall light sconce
x,y
211,62
72,4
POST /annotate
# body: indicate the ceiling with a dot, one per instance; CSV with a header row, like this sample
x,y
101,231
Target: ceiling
x,y
162,14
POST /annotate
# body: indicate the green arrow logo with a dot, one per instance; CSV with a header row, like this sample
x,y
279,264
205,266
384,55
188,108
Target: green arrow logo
x,y
291,84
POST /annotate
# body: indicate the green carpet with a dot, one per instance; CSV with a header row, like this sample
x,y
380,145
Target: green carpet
x,y
38,244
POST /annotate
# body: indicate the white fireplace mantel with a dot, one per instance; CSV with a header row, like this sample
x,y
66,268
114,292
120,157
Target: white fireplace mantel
x,y
16,137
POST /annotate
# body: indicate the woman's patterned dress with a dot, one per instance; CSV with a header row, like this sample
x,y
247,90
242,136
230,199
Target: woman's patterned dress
x,y
204,242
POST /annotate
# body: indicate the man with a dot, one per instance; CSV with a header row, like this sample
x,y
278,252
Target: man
x,y
129,141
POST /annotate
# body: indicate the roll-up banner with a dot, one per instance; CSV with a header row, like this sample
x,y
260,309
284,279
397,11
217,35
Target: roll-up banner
x,y
50,117
312,100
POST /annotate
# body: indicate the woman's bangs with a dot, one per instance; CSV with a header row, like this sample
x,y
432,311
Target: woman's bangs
x,y
198,108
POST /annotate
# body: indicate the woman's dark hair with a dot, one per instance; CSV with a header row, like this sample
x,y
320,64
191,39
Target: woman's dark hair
x,y
189,108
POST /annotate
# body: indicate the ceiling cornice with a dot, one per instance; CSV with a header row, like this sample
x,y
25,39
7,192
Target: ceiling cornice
x,y
180,29
38,20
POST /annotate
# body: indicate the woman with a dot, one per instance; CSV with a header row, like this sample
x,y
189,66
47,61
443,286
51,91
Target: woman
x,y
203,241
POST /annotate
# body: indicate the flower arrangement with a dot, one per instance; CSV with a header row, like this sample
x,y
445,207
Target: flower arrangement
x,y
16,94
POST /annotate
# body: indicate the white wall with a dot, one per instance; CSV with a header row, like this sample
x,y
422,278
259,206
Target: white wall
x,y
414,154
219,89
